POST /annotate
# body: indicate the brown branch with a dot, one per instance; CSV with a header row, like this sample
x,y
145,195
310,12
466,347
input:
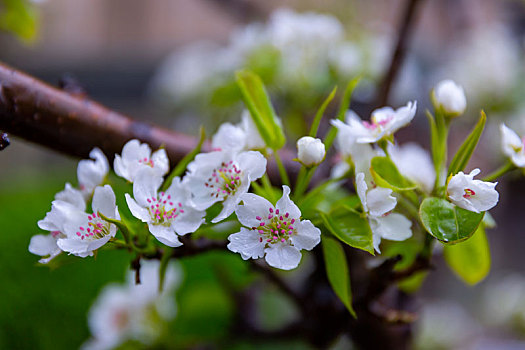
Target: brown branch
x,y
72,124
399,53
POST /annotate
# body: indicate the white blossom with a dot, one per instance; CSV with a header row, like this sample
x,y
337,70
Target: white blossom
x,y
451,97
383,123
512,146
470,194
137,156
378,203
237,138
276,232
310,151
91,173
223,176
133,311
415,163
83,232
168,214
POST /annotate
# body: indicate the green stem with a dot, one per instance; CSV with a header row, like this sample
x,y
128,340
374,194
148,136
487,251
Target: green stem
x,y
268,187
301,187
282,170
409,206
442,126
505,168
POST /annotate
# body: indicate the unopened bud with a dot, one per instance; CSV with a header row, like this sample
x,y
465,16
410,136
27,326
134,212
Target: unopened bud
x,y
310,151
450,97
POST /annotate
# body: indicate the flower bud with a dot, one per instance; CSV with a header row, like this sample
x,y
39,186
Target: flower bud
x,y
310,151
451,97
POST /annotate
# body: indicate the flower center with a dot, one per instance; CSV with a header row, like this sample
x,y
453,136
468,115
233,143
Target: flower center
x,y
96,228
224,180
469,193
276,227
147,161
163,209
377,123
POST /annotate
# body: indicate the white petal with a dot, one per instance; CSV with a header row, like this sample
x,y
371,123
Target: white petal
x,y
307,237
394,227
285,205
120,168
361,189
91,173
380,201
73,196
42,245
486,196
137,211
165,235
188,222
415,163
229,137
133,150
247,243
231,203
73,246
253,138
161,163
253,206
146,186
104,201
60,214
283,256
402,117
253,163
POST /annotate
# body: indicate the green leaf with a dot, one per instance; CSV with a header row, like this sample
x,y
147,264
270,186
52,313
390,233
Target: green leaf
x,y
343,107
470,260
447,222
261,109
20,18
320,112
460,160
337,271
349,227
183,164
434,140
385,174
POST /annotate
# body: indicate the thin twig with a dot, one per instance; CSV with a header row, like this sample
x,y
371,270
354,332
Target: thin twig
x,y
399,53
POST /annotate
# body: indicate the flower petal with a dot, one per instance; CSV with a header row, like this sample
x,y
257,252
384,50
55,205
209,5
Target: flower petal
x,y
161,163
361,188
42,245
285,204
104,201
188,222
73,196
247,243
283,256
137,211
253,206
380,201
165,234
307,237
253,163
395,227
146,185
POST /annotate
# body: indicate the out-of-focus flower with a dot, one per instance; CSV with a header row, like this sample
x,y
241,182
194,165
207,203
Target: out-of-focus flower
x,y
512,146
84,232
275,232
383,123
133,312
236,138
167,214
470,194
415,163
91,173
451,97
223,176
310,151
378,204
137,156
504,302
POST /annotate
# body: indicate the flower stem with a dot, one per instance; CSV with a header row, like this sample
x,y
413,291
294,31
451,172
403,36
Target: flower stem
x,y
282,170
305,181
505,168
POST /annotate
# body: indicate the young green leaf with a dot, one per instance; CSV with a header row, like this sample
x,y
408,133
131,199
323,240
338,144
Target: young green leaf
x,y
460,160
447,222
320,112
349,227
385,174
470,260
337,271
183,164
261,109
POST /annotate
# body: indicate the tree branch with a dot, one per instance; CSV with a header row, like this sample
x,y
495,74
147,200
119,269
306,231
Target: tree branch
x,y
399,53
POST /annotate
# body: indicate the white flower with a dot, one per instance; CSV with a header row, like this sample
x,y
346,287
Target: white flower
x,y
137,156
131,312
451,97
415,163
91,173
237,138
310,151
378,204
513,147
167,214
470,194
276,232
383,123
67,200
253,139
223,176
83,232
